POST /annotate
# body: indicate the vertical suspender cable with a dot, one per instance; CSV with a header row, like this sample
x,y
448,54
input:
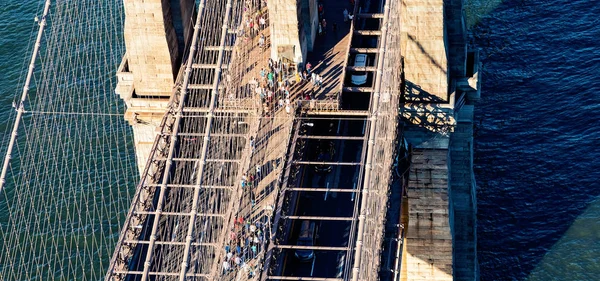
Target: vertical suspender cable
x,y
20,107
165,178
373,113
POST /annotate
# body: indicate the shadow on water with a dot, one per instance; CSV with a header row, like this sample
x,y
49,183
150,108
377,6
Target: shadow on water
x,y
536,142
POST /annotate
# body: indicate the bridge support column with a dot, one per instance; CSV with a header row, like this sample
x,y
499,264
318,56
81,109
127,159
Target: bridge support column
x,y
156,33
293,28
441,85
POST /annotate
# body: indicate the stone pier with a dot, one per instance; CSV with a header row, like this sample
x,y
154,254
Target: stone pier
x,y
156,33
293,28
441,86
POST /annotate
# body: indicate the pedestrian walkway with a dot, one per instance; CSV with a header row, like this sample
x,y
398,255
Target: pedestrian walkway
x,y
259,183
244,246
329,54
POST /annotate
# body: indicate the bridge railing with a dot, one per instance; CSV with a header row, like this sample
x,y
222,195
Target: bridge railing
x,y
383,132
145,191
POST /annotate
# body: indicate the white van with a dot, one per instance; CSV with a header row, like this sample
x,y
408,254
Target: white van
x,y
359,78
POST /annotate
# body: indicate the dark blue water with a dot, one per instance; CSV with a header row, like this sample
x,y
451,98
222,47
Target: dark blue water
x,y
537,141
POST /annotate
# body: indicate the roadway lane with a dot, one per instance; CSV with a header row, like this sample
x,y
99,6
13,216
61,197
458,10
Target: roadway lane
x,y
330,204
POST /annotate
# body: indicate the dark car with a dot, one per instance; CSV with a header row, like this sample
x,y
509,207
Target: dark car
x,y
326,151
306,238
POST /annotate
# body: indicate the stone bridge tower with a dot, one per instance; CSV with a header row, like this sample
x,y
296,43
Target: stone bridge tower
x,y
293,28
157,34
441,80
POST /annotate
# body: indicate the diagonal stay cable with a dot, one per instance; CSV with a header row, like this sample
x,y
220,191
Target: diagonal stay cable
x,y
206,140
176,125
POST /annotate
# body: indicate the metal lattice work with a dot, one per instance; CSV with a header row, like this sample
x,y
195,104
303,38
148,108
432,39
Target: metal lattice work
x,y
383,136
357,206
185,201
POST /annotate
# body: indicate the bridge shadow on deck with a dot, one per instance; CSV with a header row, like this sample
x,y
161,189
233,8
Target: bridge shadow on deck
x,y
329,53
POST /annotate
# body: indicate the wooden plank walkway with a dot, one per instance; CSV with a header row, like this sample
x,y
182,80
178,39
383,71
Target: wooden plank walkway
x,y
329,54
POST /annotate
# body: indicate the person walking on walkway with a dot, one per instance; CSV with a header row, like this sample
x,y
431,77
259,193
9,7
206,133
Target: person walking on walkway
x,y
263,74
226,267
270,79
319,80
345,15
262,22
261,41
321,10
313,79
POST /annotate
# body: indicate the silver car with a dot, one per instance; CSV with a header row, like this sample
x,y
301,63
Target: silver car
x,y
360,78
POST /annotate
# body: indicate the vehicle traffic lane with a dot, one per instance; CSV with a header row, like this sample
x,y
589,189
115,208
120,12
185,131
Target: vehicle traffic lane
x,y
324,264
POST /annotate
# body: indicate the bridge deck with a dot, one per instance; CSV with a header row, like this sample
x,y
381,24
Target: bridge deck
x,y
185,202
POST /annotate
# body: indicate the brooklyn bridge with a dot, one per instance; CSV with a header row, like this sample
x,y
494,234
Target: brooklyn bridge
x,y
273,140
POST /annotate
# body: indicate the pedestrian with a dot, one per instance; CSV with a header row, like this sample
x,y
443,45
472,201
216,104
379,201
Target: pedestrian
x,y
237,260
263,74
324,24
306,96
255,28
350,17
238,249
270,79
252,228
252,145
288,109
258,170
227,248
308,67
229,256
280,102
321,10
319,80
251,27
226,267
262,22
320,29
261,41
345,15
